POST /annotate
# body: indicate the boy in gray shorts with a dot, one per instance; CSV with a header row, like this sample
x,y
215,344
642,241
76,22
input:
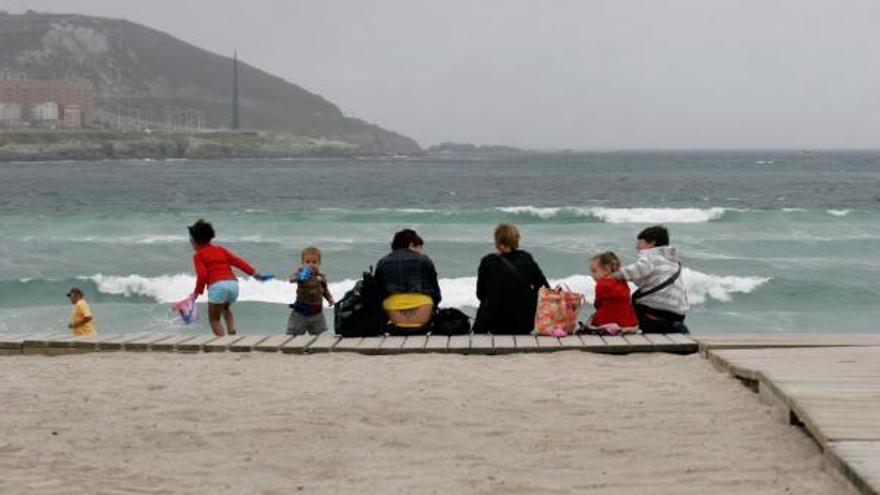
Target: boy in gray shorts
x,y
307,313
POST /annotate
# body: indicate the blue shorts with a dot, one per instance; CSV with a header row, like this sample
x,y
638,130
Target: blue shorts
x,y
222,292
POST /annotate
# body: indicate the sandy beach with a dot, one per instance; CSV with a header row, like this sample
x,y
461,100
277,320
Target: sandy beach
x,y
343,423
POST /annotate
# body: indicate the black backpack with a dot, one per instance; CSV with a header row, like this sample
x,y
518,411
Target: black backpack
x,y
359,313
450,321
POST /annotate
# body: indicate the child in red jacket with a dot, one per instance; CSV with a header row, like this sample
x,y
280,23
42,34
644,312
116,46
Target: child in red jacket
x,y
213,265
614,312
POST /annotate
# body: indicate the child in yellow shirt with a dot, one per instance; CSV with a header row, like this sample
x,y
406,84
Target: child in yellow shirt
x,y
81,317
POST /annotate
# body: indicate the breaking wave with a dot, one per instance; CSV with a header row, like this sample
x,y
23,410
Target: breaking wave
x,y
457,292
623,215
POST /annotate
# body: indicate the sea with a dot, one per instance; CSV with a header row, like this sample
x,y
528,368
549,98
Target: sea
x,y
772,241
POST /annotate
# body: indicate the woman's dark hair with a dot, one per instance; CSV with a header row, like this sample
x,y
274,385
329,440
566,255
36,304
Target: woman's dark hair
x,y
406,238
201,232
656,234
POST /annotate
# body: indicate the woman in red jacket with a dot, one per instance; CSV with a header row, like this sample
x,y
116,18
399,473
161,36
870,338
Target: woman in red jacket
x,y
213,265
614,312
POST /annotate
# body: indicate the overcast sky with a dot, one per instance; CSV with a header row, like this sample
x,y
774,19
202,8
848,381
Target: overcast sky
x,y
582,74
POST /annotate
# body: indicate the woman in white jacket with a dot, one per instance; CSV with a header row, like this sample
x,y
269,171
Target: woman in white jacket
x,y
661,299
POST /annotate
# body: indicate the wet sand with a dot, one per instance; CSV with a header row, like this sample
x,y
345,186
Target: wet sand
x,y
343,423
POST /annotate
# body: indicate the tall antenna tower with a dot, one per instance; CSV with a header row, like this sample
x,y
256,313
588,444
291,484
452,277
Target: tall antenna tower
x,y
236,115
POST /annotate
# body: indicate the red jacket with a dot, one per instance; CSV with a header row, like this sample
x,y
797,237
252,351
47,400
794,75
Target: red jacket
x,y
613,304
214,263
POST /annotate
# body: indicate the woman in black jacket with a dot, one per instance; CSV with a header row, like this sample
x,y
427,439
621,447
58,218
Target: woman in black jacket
x,y
507,286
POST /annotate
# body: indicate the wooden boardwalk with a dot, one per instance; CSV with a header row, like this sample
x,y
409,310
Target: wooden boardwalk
x,y
833,391
459,344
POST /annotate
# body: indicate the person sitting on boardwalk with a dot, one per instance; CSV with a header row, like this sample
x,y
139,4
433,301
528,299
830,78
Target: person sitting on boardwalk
x,y
213,265
661,299
614,312
407,282
81,319
507,286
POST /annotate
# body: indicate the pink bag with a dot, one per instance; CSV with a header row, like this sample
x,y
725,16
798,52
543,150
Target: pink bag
x,y
186,310
557,311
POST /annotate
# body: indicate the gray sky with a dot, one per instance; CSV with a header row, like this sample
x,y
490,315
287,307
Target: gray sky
x,y
582,74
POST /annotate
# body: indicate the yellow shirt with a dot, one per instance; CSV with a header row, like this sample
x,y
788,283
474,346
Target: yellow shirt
x,y
81,310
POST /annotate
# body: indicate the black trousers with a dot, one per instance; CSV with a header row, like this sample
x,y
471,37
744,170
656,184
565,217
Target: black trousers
x,y
658,321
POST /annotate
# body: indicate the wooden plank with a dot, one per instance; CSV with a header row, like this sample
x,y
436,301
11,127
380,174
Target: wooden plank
x,y
324,343
196,343
685,343
594,343
459,344
286,344
349,344
370,345
639,343
144,343
414,343
660,342
784,340
221,344
64,342
481,344
274,343
394,344
247,343
501,344
617,344
117,342
525,343
443,343
14,341
572,342
859,462
548,344
37,344
170,344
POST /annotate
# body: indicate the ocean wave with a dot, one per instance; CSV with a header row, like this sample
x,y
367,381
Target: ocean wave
x,y
457,292
838,213
623,215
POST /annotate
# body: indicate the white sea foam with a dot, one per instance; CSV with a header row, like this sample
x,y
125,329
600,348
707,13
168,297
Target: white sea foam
x,y
838,213
542,213
624,215
794,210
457,292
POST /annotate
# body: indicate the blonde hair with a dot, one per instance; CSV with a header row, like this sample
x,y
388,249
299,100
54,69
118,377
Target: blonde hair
x,y
310,250
607,260
507,235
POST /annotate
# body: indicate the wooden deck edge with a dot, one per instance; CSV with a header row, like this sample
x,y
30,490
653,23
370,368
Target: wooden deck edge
x,y
849,472
788,410
476,345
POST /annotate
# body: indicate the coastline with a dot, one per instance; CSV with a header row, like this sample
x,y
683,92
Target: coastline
x,y
84,145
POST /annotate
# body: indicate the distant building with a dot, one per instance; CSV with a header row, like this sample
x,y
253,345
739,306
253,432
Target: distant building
x,y
12,76
71,116
33,96
47,110
10,111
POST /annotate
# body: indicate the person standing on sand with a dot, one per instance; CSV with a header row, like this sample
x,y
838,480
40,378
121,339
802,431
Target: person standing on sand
x,y
507,286
213,265
81,320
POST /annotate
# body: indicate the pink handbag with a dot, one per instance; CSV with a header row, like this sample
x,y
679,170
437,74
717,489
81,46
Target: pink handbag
x,y
558,310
